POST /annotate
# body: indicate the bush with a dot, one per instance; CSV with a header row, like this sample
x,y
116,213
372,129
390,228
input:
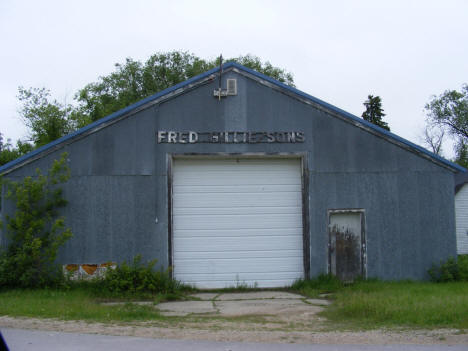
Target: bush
x,y
35,232
137,279
450,271
463,267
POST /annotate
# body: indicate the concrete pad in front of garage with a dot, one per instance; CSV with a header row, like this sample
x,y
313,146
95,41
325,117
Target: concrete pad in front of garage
x,y
248,303
204,296
265,307
184,308
258,295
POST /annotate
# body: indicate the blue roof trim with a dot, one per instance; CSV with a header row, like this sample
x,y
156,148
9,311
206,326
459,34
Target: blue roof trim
x,y
207,74
351,116
107,119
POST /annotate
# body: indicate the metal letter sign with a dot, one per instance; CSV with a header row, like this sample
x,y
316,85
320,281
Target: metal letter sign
x,y
228,137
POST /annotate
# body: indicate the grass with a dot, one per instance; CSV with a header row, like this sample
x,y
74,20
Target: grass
x,y
372,304
362,305
82,303
409,304
323,284
73,304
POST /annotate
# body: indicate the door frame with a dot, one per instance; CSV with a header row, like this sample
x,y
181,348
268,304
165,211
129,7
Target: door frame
x,y
362,213
303,158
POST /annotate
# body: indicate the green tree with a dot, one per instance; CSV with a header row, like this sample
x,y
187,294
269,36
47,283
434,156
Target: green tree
x,y
461,154
35,231
374,112
255,63
9,153
133,81
449,112
47,120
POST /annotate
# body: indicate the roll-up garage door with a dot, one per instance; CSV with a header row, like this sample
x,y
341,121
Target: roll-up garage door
x,y
237,222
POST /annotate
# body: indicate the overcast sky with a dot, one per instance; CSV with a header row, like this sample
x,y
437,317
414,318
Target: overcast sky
x,y
338,51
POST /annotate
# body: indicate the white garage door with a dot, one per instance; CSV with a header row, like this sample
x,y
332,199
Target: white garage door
x,y
237,222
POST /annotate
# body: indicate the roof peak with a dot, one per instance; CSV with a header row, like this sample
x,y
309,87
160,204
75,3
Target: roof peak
x,y
230,65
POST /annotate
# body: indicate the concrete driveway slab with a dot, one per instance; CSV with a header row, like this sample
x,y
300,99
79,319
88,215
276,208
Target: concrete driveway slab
x,y
257,295
265,307
183,308
248,303
205,296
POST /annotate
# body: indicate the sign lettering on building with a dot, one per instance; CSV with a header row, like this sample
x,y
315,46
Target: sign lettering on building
x,y
228,137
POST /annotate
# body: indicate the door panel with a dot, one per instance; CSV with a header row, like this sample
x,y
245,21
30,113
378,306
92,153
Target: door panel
x,y
346,245
237,221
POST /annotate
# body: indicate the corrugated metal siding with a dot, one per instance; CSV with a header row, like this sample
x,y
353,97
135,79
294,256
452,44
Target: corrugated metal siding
x,y
461,213
237,221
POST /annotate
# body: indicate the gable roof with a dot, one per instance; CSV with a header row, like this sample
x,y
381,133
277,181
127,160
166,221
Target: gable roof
x,y
209,76
460,180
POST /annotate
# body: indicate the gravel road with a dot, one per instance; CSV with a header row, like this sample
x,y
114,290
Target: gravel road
x,y
242,331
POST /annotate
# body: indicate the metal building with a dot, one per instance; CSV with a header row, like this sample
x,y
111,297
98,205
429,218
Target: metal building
x,y
253,182
461,212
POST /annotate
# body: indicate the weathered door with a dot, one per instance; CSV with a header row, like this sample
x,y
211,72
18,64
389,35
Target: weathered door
x,y
347,248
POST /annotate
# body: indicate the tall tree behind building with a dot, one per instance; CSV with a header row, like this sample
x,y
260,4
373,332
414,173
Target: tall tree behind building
x,y
134,80
8,152
47,119
374,112
449,112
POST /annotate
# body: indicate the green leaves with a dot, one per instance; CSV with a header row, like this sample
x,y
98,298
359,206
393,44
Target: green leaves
x,y
450,271
9,152
47,119
450,109
137,278
449,112
254,62
134,81
374,112
35,231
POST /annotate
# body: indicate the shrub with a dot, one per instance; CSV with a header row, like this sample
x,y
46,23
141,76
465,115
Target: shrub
x,y
450,271
35,232
137,279
462,262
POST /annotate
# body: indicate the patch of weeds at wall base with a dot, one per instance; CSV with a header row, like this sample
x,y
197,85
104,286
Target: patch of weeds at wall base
x,y
95,300
35,231
138,280
322,284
